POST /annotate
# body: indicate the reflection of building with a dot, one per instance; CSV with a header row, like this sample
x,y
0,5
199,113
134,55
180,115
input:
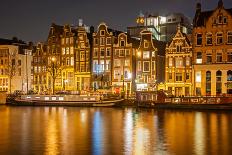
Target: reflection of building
x,y
162,27
212,51
150,62
178,70
15,65
103,41
123,63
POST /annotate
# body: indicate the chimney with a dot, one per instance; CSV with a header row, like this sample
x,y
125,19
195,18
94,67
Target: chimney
x,y
198,8
220,3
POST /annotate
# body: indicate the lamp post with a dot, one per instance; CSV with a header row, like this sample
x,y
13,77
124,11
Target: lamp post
x,y
53,74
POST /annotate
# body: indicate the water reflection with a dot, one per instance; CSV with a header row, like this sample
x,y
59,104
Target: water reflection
x,y
57,130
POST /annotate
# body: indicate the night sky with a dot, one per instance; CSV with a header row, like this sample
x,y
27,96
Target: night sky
x,y
30,20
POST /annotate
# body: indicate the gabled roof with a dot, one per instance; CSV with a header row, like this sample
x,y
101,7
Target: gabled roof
x,y
201,17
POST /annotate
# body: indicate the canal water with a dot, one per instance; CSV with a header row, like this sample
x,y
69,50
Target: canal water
x,y
108,131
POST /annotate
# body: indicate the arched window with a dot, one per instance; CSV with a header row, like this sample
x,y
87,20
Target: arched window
x,y
208,83
218,82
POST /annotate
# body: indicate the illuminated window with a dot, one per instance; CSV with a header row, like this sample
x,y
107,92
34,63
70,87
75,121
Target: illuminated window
x,y
229,37
102,52
146,54
188,61
127,62
116,52
121,53
146,66
102,41
67,50
95,65
72,61
117,62
82,54
71,50
219,38
67,40
127,52
199,58
179,62
117,74
209,39
198,76
199,39
108,64
96,41
170,62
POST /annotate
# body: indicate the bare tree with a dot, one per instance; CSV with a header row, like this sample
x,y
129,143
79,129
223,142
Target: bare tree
x,y
55,69
11,67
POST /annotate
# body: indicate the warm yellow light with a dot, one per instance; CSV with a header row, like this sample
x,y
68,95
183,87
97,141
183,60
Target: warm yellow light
x,y
53,59
139,54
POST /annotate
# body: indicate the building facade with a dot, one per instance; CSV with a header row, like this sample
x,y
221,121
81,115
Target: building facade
x,y
15,66
178,66
39,63
102,56
82,59
150,63
212,51
124,64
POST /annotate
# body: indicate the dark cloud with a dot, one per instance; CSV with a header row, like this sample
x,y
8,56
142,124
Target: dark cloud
x,y
30,19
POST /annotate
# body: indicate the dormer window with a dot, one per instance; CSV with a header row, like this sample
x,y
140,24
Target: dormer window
x,y
146,44
122,43
220,19
102,32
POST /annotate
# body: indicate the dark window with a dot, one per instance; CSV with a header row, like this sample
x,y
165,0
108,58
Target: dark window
x,y
218,82
122,43
229,75
102,52
219,57
178,76
199,39
187,76
169,76
209,39
208,83
225,20
208,58
219,38
229,57
229,37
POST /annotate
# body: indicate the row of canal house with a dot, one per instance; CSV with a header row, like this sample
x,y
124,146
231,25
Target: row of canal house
x,y
195,64
106,59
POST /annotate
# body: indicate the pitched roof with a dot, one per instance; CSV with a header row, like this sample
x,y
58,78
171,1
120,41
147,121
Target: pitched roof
x,y
201,17
160,45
